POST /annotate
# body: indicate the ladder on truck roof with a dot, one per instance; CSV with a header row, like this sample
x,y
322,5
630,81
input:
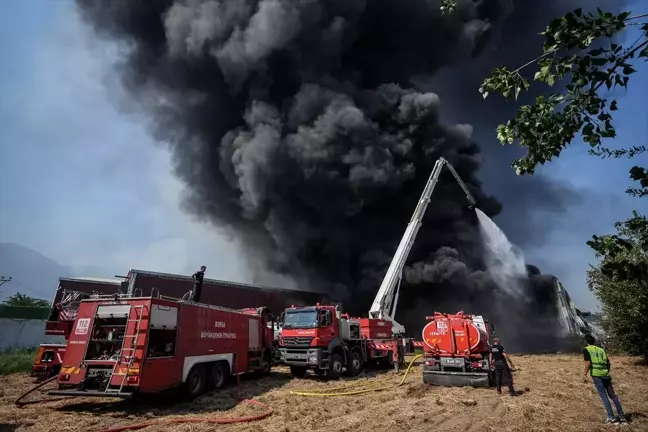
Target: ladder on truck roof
x,y
139,311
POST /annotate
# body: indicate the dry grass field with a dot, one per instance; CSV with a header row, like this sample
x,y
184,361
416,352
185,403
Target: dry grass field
x,y
554,398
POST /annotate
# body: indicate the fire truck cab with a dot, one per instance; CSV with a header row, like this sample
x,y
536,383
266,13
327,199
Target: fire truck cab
x,y
326,341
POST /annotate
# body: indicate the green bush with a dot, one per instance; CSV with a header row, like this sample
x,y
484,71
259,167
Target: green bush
x,y
16,361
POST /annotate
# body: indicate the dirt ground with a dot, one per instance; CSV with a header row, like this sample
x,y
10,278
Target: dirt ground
x,y
553,398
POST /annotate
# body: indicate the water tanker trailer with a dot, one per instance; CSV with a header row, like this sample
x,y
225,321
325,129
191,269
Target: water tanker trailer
x,y
456,350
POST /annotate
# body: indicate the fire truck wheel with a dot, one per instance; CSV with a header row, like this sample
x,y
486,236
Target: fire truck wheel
x,y
266,363
298,371
196,381
336,366
355,363
401,356
219,375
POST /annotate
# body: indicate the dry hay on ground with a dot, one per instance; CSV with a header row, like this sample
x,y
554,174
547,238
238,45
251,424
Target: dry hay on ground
x,y
555,398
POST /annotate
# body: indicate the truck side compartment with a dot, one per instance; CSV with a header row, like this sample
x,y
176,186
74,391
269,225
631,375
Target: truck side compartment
x,y
69,293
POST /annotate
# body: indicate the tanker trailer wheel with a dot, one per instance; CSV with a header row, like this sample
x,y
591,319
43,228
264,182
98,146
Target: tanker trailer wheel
x,y
219,374
195,383
355,364
298,371
336,366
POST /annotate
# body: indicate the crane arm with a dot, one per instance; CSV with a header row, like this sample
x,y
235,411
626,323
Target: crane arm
x,y
463,186
386,300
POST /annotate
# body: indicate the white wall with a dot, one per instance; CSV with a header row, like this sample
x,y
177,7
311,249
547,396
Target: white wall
x,y
24,333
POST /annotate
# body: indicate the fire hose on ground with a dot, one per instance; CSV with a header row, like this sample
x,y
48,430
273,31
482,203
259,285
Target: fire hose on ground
x,y
268,411
19,401
338,391
211,420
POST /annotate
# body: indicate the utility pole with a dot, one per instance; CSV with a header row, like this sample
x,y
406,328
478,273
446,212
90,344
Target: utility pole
x,y
4,280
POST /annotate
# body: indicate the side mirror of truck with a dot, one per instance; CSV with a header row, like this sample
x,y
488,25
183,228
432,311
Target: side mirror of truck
x,y
328,317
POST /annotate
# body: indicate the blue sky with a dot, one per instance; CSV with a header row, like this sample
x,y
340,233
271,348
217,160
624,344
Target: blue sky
x,y
85,185
79,182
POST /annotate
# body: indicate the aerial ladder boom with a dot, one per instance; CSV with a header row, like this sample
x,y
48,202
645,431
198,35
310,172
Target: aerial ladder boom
x,y
384,305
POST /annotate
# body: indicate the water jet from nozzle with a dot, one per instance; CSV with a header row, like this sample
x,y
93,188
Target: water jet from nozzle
x,y
504,261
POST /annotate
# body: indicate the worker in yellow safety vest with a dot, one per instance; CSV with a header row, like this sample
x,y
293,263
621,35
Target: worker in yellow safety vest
x,y
597,365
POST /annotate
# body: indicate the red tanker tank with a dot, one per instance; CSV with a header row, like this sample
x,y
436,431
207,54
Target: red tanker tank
x,y
455,350
454,334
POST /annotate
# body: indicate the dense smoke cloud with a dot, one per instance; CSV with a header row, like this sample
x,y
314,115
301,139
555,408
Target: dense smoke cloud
x,y
295,125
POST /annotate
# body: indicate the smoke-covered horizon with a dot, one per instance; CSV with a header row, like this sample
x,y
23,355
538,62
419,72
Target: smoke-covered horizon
x,y
296,125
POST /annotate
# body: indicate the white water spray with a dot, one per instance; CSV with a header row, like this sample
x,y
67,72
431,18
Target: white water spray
x,y
504,260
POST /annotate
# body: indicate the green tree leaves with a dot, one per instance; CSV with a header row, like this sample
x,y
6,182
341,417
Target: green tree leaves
x,y
19,299
620,282
547,127
582,63
447,6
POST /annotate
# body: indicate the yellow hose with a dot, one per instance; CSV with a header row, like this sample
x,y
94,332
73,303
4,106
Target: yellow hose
x,y
335,391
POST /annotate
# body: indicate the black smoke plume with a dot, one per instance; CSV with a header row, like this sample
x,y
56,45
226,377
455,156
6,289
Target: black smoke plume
x,y
296,125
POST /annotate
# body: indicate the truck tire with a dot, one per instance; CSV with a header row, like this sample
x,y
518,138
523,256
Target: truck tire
x,y
266,363
401,356
354,368
219,374
196,381
55,371
336,366
298,371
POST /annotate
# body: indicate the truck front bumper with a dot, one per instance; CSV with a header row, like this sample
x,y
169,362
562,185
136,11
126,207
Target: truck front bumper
x,y
457,379
41,372
307,357
454,372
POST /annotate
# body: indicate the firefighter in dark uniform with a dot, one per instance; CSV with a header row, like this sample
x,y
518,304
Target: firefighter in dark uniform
x,y
499,361
198,282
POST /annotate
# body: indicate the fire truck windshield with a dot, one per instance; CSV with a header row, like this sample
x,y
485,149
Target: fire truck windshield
x,y
300,319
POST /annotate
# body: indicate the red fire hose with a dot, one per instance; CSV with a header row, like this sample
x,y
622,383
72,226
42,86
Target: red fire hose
x,y
211,420
197,419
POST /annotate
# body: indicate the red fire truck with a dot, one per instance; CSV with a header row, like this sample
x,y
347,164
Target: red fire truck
x,y
123,345
456,350
69,293
142,283
323,339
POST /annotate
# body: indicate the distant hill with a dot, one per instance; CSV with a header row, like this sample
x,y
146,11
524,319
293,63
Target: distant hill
x,y
34,274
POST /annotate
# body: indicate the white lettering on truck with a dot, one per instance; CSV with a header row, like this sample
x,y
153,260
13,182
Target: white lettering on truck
x,y
217,335
219,324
